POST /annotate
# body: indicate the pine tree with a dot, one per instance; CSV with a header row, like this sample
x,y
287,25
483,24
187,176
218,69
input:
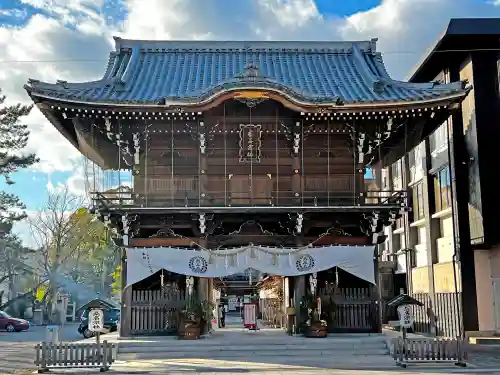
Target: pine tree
x,y
13,139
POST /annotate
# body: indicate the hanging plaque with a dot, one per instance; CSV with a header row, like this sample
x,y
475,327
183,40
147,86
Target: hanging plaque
x,y
250,143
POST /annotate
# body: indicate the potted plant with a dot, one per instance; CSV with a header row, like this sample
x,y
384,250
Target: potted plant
x,y
195,318
190,319
314,326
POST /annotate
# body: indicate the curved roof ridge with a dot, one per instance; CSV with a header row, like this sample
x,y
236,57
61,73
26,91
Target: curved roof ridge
x,y
210,45
260,83
60,84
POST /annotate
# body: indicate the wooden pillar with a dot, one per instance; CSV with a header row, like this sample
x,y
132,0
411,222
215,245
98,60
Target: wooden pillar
x,y
126,298
431,226
203,166
297,176
359,195
126,312
378,305
299,293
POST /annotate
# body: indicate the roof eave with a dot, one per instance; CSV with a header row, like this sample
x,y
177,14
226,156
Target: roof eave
x,y
284,98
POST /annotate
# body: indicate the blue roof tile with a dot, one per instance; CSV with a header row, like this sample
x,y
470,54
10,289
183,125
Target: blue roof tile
x,y
150,72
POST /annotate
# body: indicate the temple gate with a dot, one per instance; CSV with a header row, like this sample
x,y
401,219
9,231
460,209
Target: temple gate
x,y
208,158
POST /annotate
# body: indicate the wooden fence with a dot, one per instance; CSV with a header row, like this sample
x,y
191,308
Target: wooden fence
x,y
350,310
156,312
272,312
428,350
72,355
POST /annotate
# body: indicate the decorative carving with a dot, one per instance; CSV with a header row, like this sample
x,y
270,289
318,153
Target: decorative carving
x,y
137,147
250,143
296,143
202,143
107,124
250,103
376,228
298,226
360,145
250,98
126,227
250,70
203,226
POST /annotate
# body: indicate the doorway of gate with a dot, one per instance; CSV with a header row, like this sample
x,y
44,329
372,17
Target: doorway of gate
x,y
231,294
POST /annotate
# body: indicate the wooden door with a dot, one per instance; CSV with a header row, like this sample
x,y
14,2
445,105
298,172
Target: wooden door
x,y
250,190
261,190
239,190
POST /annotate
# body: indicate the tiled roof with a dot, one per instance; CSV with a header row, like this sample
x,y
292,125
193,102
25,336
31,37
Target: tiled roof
x,y
153,72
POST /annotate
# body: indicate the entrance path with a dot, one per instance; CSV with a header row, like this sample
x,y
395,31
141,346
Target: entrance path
x,y
234,350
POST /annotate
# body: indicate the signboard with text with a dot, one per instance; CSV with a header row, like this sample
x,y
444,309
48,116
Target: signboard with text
x,y
96,320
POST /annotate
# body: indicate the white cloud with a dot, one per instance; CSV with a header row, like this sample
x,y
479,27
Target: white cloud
x,y
82,29
42,46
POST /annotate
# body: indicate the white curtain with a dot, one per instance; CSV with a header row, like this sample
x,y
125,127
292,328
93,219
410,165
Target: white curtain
x,y
143,262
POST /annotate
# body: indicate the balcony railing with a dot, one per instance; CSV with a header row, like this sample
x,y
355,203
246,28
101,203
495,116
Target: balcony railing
x,y
281,199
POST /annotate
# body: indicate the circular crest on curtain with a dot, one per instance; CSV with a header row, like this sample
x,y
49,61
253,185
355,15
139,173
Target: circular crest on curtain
x,y
198,264
304,263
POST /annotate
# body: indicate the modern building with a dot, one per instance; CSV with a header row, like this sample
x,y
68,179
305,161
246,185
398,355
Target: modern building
x,y
246,155
447,249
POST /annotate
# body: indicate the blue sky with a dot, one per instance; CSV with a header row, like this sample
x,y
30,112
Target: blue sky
x,y
55,39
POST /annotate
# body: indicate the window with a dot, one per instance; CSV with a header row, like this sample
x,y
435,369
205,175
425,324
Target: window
x,y
437,140
416,163
418,201
396,170
442,189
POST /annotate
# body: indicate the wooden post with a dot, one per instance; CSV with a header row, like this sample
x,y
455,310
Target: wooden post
x,y
126,312
298,183
203,166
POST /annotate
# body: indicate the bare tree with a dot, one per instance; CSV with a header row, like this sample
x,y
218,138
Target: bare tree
x,y
65,234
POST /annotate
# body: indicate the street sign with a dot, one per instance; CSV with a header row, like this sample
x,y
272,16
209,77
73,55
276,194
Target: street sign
x,y
96,320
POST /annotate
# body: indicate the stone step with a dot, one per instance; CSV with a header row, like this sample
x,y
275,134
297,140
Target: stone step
x,y
257,340
312,356
246,348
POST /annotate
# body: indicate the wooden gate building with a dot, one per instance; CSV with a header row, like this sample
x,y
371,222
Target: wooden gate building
x,y
214,145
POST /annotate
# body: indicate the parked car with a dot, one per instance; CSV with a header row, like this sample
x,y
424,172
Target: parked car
x,y
111,320
11,324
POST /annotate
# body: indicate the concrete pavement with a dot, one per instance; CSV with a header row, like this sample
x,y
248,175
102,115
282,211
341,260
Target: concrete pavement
x,y
17,351
17,354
